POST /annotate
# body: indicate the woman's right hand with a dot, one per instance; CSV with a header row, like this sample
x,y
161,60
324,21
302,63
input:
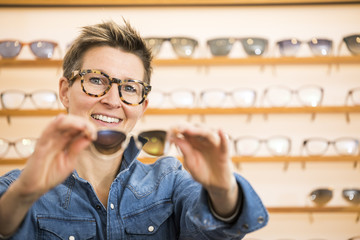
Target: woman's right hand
x,y
55,155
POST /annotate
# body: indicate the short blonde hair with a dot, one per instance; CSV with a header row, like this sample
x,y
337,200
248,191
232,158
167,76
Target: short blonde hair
x,y
109,34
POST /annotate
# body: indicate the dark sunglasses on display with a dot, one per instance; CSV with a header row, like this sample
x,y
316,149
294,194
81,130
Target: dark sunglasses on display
x,y
253,46
184,47
24,147
321,196
109,143
41,48
353,43
15,99
352,195
318,46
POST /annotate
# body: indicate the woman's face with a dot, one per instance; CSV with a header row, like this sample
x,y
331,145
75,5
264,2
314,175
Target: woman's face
x,y
107,111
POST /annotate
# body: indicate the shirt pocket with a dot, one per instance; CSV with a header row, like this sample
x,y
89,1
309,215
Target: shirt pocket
x,y
152,221
52,228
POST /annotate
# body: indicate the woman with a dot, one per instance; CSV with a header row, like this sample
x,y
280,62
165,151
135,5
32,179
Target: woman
x,y
66,191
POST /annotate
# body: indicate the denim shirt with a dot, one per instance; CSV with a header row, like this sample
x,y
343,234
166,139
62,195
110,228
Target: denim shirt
x,y
157,201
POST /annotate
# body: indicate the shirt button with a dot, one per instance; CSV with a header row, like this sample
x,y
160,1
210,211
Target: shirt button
x,y
112,206
71,238
98,207
260,219
151,228
245,226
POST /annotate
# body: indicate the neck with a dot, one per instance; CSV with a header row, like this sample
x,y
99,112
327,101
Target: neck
x,y
100,173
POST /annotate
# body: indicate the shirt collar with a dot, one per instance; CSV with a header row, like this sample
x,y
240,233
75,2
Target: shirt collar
x,y
131,152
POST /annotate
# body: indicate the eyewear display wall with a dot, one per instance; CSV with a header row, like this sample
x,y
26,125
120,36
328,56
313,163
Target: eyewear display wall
x,y
41,48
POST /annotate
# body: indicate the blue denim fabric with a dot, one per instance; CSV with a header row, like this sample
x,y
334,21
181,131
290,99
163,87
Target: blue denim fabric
x,y
158,201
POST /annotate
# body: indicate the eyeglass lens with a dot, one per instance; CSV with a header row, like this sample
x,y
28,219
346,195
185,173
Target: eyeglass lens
x,y
179,98
249,146
319,47
41,49
97,84
280,96
14,99
223,46
321,196
109,142
343,146
182,46
353,44
354,95
24,147
352,195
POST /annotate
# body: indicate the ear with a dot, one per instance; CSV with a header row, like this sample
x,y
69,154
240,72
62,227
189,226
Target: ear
x,y
64,88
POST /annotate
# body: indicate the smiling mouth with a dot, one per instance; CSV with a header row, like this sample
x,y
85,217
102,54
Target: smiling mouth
x,y
105,118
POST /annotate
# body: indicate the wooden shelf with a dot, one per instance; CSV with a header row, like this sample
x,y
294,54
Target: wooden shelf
x,y
235,159
134,3
203,61
202,111
329,209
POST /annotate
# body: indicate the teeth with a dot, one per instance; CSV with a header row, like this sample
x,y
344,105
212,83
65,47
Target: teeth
x,y
105,118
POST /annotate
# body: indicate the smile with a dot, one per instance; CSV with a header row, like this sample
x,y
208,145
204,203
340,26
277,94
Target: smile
x,y
105,118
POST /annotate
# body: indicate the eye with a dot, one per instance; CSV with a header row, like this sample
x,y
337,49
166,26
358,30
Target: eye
x,y
97,81
130,88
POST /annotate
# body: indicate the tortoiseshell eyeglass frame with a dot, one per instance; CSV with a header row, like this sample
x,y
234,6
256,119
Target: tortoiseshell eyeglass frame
x,y
83,72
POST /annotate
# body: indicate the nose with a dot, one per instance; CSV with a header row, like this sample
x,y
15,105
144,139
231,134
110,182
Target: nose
x,y
112,97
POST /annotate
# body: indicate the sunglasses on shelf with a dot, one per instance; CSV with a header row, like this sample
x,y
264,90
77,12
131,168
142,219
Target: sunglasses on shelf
x,y
184,47
321,196
179,98
110,143
318,46
345,146
252,46
250,146
281,96
41,48
352,195
24,147
352,43
15,99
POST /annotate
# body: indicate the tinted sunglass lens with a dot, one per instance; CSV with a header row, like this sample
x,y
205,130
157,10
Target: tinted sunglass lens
x,y
42,49
220,46
109,141
10,49
320,47
184,47
154,44
353,44
254,46
352,195
321,196
156,141
289,47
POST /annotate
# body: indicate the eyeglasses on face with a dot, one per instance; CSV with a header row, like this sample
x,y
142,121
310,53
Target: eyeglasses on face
x,y
96,83
250,146
110,142
15,99
252,46
184,47
318,46
24,147
345,146
241,97
41,49
180,98
353,43
354,96
280,96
